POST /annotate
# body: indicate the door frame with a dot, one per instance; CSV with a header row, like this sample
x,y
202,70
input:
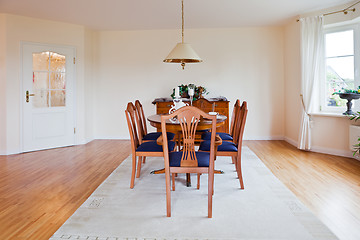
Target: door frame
x,y
21,90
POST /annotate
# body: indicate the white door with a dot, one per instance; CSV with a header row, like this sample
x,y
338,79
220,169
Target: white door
x,y
48,96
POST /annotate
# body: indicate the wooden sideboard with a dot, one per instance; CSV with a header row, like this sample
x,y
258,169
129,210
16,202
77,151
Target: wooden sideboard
x,y
163,106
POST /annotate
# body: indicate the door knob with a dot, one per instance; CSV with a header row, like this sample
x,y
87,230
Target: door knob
x,y
29,95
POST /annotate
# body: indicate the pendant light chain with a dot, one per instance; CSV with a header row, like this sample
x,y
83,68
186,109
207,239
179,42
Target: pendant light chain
x,y
182,52
182,22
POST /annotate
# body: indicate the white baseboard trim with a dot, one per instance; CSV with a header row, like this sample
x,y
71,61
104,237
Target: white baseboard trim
x,y
291,141
112,138
259,138
83,141
12,152
336,152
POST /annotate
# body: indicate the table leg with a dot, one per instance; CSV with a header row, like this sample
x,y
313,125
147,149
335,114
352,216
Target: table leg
x,y
159,171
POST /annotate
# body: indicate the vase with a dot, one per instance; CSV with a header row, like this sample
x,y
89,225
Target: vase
x,y
349,97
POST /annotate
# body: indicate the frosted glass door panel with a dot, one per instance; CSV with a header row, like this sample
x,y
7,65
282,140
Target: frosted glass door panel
x,y
49,80
57,80
41,61
57,62
40,89
57,98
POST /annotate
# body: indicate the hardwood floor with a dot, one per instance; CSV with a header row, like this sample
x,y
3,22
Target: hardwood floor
x,y
39,191
328,185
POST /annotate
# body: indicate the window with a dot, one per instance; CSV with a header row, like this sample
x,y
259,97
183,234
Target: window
x,y
340,67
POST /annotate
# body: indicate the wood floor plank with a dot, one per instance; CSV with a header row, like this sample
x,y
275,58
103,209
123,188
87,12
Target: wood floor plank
x,y
39,191
328,185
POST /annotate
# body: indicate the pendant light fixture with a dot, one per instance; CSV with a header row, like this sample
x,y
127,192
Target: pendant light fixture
x,y
182,52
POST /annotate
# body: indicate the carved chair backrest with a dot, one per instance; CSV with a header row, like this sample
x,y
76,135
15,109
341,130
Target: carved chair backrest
x,y
240,125
189,117
234,116
130,113
141,121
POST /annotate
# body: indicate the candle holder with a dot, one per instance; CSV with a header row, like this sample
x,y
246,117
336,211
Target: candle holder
x,y
191,92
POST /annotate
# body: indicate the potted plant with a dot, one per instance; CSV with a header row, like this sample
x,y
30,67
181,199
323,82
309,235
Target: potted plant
x,y
356,116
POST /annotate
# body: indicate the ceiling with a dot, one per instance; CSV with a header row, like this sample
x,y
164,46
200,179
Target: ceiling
x,y
165,14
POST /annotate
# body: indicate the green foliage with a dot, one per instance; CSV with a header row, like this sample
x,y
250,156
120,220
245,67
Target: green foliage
x,y
199,91
356,117
357,148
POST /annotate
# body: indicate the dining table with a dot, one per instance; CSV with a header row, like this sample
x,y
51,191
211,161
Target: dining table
x,y
173,125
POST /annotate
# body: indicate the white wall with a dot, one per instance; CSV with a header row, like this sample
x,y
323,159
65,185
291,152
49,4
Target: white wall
x,y
292,81
90,70
2,84
244,63
18,29
260,65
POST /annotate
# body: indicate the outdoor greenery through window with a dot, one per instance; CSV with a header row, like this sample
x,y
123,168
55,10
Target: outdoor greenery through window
x,y
339,50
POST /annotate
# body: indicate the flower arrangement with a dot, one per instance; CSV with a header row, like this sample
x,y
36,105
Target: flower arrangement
x,y
183,90
344,90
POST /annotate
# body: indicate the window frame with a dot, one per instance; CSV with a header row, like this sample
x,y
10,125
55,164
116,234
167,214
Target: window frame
x,y
333,29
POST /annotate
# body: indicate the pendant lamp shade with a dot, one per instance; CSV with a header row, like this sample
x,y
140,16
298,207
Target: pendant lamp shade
x,y
182,52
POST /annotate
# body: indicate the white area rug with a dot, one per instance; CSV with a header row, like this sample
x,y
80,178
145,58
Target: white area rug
x,y
266,209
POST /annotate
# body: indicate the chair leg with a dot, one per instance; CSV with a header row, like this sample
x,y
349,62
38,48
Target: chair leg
x,y
168,194
233,159
210,193
240,172
133,171
198,180
144,159
139,167
173,181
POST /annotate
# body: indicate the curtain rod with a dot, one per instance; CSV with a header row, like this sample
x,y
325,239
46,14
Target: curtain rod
x,y
345,10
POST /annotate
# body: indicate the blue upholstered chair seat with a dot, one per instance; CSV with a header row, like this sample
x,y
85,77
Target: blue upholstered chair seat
x,y
223,136
202,158
155,135
154,147
224,147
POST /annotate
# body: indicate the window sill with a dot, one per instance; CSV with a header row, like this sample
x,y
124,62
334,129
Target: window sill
x,y
327,114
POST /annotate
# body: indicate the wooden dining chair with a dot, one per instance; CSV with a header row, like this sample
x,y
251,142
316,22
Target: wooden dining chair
x,y
142,128
143,134
188,160
232,149
145,149
223,135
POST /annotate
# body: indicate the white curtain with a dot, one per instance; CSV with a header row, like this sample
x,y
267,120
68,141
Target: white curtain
x,y
312,53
